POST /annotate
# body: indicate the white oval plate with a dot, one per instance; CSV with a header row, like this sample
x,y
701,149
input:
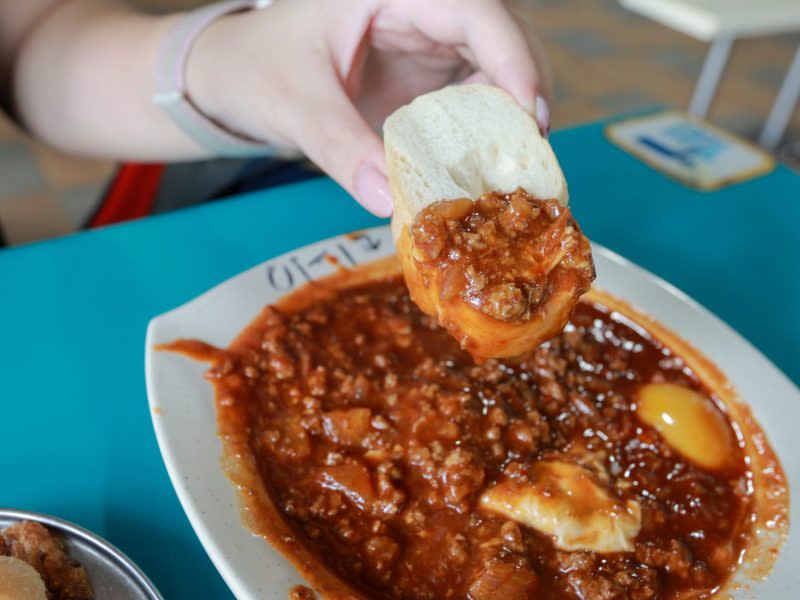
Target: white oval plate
x,y
182,402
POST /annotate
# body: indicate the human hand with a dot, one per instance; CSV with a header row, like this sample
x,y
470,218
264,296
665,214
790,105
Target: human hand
x,y
320,76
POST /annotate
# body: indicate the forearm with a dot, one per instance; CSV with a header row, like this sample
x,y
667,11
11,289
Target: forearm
x,y
83,81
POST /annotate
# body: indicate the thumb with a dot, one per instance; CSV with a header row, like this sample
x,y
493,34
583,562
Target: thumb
x,y
337,138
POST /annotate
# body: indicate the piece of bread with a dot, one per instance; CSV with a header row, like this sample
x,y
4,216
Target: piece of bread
x,y
463,142
20,581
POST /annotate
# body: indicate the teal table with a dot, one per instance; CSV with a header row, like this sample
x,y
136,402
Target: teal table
x,y
75,436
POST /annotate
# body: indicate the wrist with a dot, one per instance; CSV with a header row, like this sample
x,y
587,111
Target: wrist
x,y
204,72
194,107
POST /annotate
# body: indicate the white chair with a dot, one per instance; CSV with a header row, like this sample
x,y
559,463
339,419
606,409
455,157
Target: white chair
x,y
721,22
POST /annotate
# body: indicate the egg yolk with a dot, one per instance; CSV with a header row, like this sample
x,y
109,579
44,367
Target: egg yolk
x,y
688,421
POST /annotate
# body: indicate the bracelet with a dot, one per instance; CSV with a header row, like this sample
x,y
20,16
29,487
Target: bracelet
x,y
170,93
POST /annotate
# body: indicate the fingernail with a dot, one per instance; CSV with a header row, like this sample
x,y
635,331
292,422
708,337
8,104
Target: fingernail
x,y
543,115
372,191
529,106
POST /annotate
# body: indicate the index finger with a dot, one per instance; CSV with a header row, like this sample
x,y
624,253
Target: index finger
x,y
488,36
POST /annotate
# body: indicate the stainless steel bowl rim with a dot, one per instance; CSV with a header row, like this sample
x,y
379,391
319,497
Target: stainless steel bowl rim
x,y
121,561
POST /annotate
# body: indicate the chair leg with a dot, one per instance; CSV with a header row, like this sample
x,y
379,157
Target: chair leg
x,y
713,68
784,105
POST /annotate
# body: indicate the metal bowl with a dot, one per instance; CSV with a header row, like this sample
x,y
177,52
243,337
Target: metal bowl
x,y
112,574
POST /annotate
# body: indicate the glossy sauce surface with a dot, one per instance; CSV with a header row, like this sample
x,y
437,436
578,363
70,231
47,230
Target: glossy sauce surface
x,y
377,437
503,254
